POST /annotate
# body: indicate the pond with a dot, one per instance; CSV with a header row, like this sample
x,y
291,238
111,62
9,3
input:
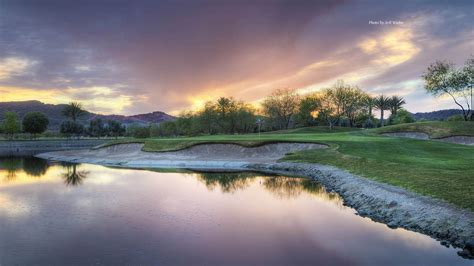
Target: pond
x,y
66,214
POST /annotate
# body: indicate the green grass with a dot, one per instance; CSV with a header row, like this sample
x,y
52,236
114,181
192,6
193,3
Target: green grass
x,y
433,168
435,129
305,130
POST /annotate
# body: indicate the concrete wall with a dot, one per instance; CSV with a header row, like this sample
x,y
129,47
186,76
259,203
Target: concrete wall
x,y
32,147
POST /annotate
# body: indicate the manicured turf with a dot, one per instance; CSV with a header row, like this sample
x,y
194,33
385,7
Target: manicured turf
x,y
438,169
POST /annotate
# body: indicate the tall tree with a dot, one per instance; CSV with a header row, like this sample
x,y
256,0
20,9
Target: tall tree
x,y
73,110
11,125
382,103
329,110
281,106
396,104
468,72
308,110
35,123
442,78
115,128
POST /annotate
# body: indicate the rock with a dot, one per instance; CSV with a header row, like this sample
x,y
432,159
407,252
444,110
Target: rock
x,y
466,254
469,245
392,225
444,243
392,204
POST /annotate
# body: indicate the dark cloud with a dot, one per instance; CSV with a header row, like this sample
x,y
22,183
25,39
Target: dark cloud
x,y
169,51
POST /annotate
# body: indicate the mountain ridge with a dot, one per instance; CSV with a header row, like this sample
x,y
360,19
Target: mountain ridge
x,y
54,113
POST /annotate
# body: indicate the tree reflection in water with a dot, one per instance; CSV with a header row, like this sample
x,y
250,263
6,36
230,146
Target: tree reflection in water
x,y
35,166
228,182
12,165
280,186
73,177
30,165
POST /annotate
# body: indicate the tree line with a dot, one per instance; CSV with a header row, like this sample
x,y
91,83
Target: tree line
x,y
341,105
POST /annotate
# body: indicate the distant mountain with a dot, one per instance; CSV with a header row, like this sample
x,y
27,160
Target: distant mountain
x,y
54,112
437,115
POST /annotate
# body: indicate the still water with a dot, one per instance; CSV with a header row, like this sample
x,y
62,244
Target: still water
x,y
64,214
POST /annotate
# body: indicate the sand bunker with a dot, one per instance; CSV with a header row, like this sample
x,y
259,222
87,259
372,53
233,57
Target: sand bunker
x,y
208,154
465,140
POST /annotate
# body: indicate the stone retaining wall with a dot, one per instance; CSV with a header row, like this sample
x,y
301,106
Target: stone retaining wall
x,y
33,147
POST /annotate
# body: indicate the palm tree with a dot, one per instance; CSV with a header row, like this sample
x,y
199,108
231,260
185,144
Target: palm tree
x,y
382,103
396,103
73,110
369,102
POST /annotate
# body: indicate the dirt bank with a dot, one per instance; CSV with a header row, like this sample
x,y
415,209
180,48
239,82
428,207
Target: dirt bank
x,y
384,203
464,140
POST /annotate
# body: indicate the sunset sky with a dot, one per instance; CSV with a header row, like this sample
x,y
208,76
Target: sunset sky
x,y
129,57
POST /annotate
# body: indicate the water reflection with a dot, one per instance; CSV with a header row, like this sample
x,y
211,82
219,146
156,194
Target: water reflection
x,y
283,187
73,177
32,166
35,166
228,182
138,217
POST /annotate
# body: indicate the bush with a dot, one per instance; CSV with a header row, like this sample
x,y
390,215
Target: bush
x,y
35,123
402,117
455,118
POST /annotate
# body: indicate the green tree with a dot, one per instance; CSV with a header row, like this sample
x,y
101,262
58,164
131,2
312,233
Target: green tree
x,y
35,123
11,125
138,131
468,72
329,111
382,103
442,78
208,118
402,116
281,106
168,128
96,128
115,128
71,128
245,118
73,110
308,110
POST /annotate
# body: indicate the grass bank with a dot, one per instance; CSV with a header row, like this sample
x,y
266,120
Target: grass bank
x,y
435,129
433,168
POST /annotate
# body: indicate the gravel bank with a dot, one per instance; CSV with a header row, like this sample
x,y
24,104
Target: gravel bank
x,y
391,205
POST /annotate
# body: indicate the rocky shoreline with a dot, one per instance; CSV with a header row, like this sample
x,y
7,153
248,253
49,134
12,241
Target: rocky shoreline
x,y
394,206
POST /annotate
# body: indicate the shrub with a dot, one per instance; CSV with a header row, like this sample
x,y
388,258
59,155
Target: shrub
x,y
455,118
402,116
